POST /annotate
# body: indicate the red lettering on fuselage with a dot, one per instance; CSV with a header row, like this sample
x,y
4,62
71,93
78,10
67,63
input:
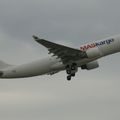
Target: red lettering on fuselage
x,y
88,46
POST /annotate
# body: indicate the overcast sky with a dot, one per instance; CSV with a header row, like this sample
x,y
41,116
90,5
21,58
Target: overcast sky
x,y
91,95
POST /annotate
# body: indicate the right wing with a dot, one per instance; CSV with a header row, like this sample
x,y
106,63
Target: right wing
x,y
66,54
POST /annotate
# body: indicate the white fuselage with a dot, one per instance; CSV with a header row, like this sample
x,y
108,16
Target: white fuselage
x,y
52,65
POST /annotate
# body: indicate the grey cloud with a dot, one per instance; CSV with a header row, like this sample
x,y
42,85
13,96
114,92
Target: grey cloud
x,y
69,20
85,99
92,94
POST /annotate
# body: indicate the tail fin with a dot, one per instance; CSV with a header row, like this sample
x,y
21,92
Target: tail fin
x,y
4,65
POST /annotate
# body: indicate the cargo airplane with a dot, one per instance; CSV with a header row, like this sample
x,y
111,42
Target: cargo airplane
x,y
63,58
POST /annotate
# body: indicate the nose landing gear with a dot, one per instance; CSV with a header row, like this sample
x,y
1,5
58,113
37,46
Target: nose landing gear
x,y
71,70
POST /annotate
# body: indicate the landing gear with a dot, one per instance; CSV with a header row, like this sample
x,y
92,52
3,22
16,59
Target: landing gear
x,y
68,71
73,75
69,78
71,70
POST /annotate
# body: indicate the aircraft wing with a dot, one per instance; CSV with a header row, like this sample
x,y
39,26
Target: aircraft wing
x,y
66,54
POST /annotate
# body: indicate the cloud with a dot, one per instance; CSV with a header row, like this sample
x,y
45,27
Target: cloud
x,y
91,94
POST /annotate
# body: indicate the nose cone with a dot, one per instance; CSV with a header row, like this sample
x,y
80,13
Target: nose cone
x,y
1,73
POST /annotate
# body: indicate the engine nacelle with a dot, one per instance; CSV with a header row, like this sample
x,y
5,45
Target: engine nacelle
x,y
93,53
90,66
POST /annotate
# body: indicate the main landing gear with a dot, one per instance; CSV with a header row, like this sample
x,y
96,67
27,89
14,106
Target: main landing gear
x,y
71,70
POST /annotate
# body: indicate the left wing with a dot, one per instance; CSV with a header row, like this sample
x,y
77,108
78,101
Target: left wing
x,y
66,54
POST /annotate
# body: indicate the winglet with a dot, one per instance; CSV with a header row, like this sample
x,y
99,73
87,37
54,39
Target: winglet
x,y
35,37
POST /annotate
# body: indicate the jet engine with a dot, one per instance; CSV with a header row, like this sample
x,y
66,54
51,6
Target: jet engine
x,y
90,65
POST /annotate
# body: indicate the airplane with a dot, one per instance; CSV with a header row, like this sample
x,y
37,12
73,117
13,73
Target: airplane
x,y
63,58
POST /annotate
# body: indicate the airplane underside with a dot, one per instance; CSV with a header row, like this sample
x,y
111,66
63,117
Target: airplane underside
x,y
63,58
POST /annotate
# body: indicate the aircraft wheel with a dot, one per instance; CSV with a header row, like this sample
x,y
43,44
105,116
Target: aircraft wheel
x,y
73,67
73,75
68,78
68,71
